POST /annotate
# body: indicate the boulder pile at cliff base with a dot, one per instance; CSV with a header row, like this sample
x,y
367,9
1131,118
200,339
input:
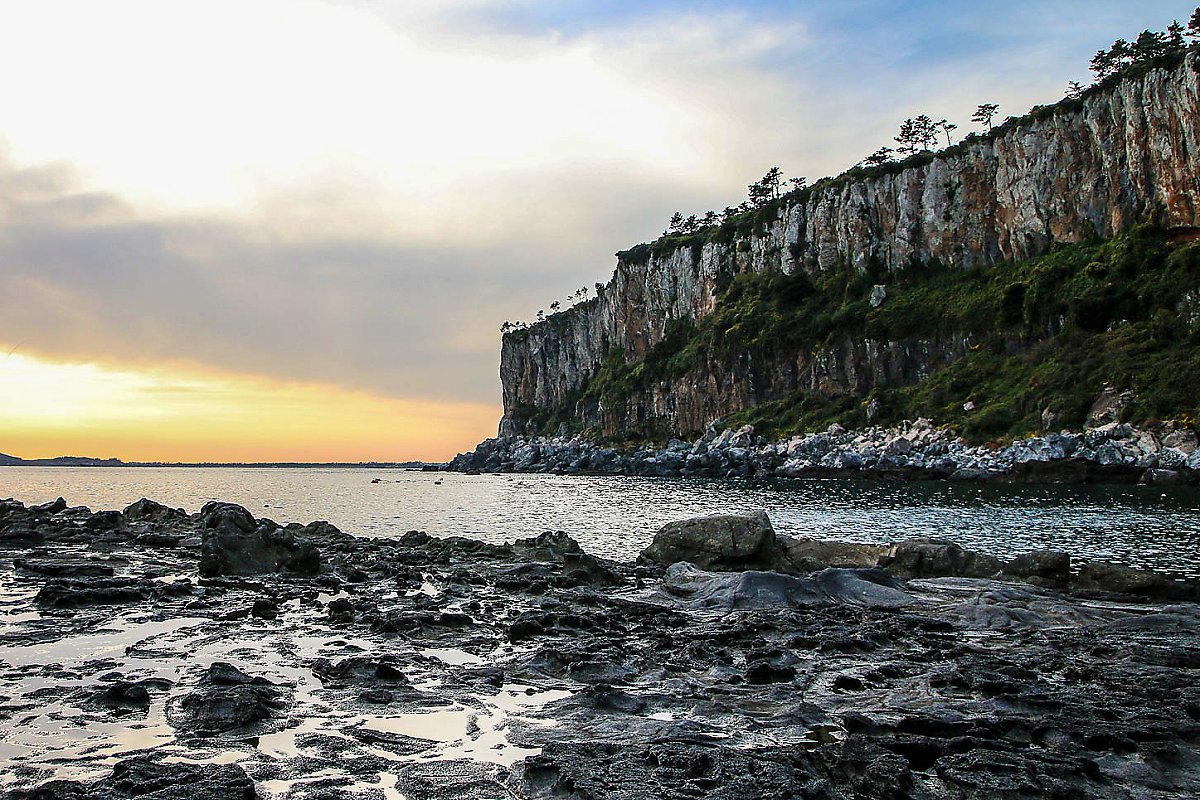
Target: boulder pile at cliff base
x,y
152,653
1112,452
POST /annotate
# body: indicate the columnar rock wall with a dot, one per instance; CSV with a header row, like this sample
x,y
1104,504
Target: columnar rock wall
x,y
1089,169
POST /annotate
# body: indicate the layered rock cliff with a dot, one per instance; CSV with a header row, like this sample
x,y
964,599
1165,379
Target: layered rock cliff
x,y
1083,170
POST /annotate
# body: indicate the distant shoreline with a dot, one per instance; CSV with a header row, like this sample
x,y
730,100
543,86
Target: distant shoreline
x,y
70,461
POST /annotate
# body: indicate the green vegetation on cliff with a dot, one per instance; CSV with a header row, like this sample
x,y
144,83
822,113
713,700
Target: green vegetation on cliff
x,y
1049,333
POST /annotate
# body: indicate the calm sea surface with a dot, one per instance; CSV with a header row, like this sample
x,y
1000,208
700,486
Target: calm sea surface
x,y
615,517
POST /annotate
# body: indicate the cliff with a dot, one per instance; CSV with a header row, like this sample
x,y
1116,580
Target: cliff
x,y
636,359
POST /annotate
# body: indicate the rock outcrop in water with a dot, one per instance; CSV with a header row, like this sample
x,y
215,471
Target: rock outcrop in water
x,y
1080,171
451,668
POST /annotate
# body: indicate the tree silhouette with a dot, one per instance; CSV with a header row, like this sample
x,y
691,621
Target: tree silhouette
x,y
555,306
767,188
1193,26
798,183
1175,34
1147,47
877,159
675,226
917,133
1074,90
984,113
946,127
1150,45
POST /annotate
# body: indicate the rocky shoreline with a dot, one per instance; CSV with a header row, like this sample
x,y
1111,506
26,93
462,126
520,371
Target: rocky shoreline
x,y
1113,452
152,653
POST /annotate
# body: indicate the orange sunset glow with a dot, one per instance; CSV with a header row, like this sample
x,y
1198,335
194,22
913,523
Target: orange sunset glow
x,y
174,414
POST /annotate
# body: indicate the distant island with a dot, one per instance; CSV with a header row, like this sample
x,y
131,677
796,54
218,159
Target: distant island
x,y
85,461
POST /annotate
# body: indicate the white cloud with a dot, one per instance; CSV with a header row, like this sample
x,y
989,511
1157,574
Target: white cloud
x,y
361,192
240,106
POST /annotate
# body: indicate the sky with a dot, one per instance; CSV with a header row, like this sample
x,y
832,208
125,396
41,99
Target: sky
x,y
266,230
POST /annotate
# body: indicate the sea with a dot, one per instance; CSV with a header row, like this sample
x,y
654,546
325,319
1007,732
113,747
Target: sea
x,y
615,517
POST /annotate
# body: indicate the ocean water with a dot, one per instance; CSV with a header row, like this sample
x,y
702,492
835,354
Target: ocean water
x,y
616,516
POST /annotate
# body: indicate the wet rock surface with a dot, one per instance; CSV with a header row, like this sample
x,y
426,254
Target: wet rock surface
x,y
420,666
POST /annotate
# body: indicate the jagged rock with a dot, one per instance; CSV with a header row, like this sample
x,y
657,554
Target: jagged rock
x,y
234,543
153,778
64,568
752,589
1050,568
360,670
1108,407
145,510
105,521
721,542
53,507
69,593
937,558
1184,441
1163,477
226,699
740,590
1099,576
800,554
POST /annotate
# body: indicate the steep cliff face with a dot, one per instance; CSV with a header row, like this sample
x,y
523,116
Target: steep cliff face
x,y
1080,171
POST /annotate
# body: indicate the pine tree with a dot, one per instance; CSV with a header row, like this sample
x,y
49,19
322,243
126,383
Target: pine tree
x,y
877,159
984,113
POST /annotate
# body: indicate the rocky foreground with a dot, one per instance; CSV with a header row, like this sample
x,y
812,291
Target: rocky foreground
x,y
1112,452
154,654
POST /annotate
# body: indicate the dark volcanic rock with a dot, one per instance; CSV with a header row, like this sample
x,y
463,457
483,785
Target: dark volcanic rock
x,y
58,568
722,542
360,670
234,543
125,694
755,589
53,507
107,591
105,521
145,510
1041,567
832,684
226,699
150,778
1099,576
937,558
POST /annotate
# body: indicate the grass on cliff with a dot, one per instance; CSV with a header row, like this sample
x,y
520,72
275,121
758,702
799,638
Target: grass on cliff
x,y
1047,333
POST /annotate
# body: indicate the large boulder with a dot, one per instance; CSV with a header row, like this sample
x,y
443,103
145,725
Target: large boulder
x,y
234,543
800,554
743,590
146,510
1098,577
756,589
225,700
937,558
729,542
1049,568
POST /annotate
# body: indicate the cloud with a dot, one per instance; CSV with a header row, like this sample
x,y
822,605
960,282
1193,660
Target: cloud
x,y
360,193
